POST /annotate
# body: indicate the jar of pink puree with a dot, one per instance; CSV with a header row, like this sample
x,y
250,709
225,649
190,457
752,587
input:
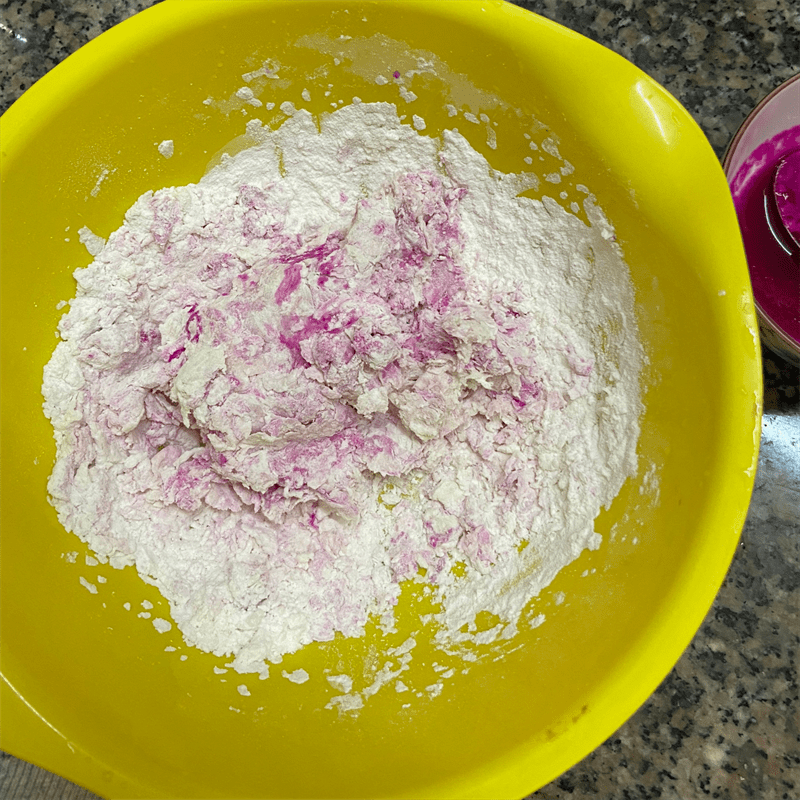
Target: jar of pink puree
x,y
762,165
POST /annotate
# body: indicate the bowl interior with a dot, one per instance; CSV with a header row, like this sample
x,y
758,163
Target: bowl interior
x,y
92,693
777,112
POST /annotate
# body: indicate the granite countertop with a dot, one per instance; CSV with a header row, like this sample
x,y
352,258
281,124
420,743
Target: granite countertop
x,y
725,723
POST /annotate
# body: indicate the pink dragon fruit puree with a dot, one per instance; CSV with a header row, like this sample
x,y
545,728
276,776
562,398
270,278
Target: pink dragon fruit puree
x,y
766,194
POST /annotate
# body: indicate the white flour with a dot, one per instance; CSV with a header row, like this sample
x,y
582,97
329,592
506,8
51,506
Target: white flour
x,y
341,361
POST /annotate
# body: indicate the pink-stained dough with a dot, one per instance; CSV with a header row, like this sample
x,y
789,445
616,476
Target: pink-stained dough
x,y
279,422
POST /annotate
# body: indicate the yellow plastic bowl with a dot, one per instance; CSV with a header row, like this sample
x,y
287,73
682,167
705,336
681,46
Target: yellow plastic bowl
x,y
88,690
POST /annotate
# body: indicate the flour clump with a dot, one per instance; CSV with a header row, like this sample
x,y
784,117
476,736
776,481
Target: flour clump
x,y
346,358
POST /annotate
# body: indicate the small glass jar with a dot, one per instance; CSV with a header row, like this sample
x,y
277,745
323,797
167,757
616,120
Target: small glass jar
x,y
765,139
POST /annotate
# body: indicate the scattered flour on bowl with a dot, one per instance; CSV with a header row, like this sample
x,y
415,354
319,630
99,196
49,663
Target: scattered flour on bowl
x,y
346,358
297,676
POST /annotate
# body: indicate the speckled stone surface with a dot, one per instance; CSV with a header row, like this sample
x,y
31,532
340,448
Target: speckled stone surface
x,y
726,722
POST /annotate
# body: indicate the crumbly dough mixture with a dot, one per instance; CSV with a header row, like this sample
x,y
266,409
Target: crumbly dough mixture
x,y
345,358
